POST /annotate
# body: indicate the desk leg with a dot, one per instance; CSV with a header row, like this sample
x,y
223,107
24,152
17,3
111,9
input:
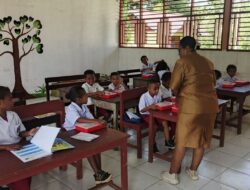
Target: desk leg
x,y
223,125
124,169
115,117
150,138
240,114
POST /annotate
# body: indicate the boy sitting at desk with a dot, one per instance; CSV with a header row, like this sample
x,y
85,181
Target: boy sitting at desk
x,y
116,82
11,132
231,74
148,102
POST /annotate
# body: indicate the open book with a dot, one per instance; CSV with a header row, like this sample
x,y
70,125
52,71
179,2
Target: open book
x,y
41,144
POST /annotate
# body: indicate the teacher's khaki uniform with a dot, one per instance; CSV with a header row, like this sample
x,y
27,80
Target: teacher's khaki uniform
x,y
193,81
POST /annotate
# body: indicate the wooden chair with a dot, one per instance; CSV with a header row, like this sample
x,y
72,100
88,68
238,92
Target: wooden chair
x,y
27,113
130,99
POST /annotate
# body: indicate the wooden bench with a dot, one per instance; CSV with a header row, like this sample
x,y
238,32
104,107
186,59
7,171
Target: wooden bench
x,y
128,74
29,113
52,83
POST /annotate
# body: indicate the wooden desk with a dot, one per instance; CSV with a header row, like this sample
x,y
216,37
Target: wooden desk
x,y
240,93
112,104
169,116
141,82
12,169
52,83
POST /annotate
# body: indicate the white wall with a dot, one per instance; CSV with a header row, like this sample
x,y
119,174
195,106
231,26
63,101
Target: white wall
x,y
77,35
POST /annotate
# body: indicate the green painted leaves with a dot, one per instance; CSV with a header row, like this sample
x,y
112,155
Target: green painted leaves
x,y
2,23
37,24
18,31
36,39
39,48
23,19
17,23
6,42
7,19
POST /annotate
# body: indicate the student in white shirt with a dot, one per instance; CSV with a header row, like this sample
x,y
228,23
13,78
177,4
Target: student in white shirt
x,y
148,102
77,111
90,86
146,67
161,68
12,131
219,80
165,91
231,72
116,82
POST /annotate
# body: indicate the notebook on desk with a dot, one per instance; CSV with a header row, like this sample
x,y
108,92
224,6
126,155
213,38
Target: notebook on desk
x,y
43,144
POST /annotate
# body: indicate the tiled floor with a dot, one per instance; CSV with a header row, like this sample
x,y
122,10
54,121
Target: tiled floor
x,y
226,168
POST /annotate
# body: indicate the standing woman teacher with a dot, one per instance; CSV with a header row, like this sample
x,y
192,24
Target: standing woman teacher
x,y
193,83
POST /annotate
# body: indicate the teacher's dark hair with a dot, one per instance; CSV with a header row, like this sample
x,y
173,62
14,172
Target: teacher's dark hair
x,y
188,41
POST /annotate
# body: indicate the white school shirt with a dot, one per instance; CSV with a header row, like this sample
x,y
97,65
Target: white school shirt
x,y
112,87
74,112
230,79
219,82
164,92
149,66
147,100
89,89
10,129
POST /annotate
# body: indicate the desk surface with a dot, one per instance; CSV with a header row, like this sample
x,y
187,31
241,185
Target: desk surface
x,y
12,169
169,116
111,100
239,90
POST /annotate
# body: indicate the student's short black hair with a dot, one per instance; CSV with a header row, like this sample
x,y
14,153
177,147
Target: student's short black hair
x,y
114,74
143,57
188,41
217,74
75,92
4,92
166,77
162,65
153,81
88,72
231,67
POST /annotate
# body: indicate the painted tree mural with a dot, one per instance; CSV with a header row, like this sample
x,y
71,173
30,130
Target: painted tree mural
x,y
19,38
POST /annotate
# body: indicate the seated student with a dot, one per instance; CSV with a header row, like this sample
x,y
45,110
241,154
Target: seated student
x,y
11,132
219,80
165,91
77,111
146,67
231,72
146,103
116,82
161,68
90,86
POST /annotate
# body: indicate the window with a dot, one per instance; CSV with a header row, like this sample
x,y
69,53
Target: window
x,y
239,36
162,23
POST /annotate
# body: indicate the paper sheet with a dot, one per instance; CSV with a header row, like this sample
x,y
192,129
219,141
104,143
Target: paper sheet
x,y
45,137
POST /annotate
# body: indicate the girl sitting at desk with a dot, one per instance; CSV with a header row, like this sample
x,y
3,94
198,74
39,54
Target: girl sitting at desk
x,y
77,111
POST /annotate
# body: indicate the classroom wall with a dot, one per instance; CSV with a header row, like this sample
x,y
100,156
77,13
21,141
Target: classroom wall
x,y
77,35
